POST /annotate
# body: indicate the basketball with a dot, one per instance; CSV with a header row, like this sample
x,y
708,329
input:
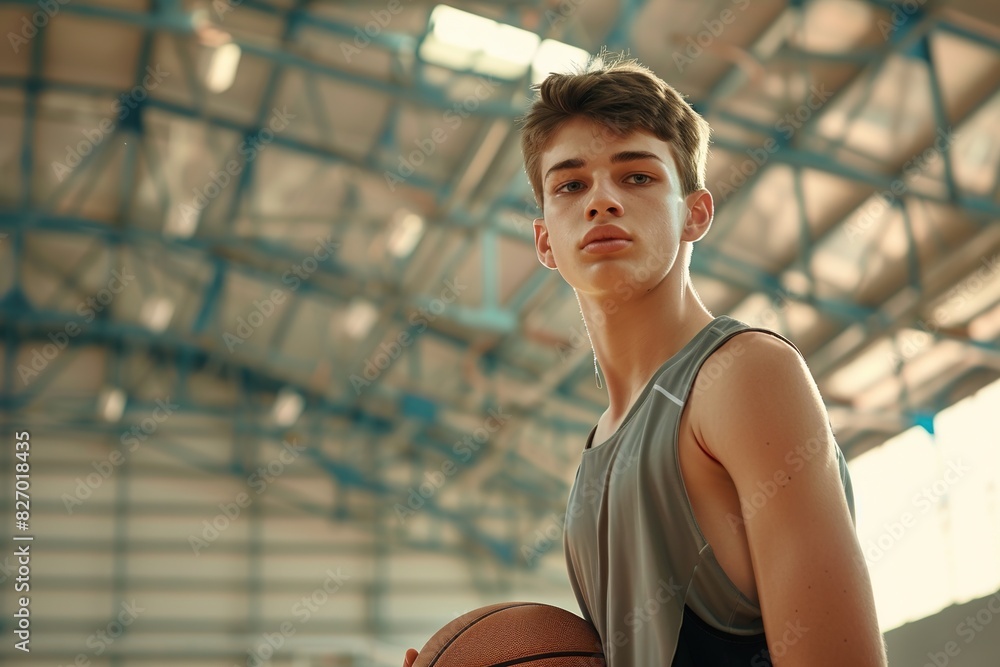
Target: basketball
x,y
514,633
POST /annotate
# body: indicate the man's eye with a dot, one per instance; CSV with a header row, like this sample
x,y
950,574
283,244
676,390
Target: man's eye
x,y
570,187
645,178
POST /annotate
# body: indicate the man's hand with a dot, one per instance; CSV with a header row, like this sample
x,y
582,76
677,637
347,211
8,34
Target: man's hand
x,y
411,657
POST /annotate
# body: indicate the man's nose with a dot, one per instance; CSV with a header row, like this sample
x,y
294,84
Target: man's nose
x,y
604,201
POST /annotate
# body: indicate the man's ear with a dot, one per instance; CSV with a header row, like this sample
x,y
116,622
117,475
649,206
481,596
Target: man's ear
x,y
701,209
542,247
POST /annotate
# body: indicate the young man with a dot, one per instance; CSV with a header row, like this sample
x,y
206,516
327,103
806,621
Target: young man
x,y
711,519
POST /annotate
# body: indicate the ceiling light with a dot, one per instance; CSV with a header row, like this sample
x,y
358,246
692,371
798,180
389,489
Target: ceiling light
x,y
796,281
288,406
156,313
182,221
460,40
512,45
223,62
462,30
111,404
361,315
407,228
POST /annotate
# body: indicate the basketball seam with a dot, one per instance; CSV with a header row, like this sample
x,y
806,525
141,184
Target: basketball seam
x,y
544,656
458,634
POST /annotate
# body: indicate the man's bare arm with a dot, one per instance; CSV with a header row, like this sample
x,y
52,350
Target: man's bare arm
x,y
765,422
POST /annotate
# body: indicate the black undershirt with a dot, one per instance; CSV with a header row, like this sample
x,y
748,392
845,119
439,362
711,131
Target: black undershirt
x,y
701,645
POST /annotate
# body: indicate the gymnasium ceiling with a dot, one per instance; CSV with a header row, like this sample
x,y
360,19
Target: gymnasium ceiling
x,y
840,223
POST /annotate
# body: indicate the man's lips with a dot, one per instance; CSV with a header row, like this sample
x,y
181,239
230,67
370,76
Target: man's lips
x,y
605,239
606,246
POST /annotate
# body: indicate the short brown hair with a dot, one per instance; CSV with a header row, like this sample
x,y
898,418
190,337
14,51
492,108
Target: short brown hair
x,y
624,96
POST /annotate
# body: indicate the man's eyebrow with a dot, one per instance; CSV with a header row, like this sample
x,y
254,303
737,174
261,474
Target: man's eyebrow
x,y
623,156
632,156
571,163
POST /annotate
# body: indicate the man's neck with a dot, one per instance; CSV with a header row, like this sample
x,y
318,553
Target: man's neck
x,y
642,334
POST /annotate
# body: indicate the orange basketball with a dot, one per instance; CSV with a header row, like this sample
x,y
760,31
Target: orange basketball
x,y
514,633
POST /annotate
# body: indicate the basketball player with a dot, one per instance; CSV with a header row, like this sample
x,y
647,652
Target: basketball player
x,y
711,520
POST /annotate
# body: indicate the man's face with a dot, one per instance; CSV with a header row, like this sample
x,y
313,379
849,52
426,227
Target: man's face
x,y
626,187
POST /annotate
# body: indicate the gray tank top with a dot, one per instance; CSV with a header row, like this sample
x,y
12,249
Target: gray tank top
x,y
634,552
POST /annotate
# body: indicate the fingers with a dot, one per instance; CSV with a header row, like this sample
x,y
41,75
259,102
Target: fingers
x,y
411,656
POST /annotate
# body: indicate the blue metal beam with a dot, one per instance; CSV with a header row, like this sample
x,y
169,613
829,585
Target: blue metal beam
x,y
30,112
968,34
344,473
940,116
264,108
416,180
903,39
393,42
977,207
455,218
912,249
36,324
619,33
208,313
171,21
70,282
138,236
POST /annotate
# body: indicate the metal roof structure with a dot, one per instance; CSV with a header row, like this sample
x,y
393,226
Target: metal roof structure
x,y
205,314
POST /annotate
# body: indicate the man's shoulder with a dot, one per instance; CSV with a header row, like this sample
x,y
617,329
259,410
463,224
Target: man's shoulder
x,y
747,368
764,380
747,356
758,340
